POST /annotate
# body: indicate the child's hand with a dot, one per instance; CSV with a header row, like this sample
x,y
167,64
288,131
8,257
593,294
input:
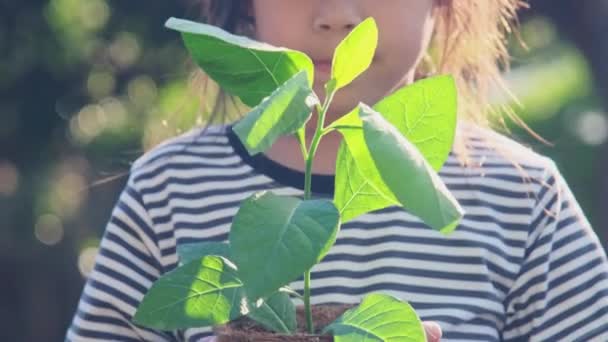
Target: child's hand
x,y
432,329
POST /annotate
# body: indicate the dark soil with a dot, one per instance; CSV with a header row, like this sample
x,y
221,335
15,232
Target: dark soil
x,y
246,330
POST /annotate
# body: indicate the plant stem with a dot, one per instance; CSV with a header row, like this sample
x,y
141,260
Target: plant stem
x,y
301,136
322,111
309,322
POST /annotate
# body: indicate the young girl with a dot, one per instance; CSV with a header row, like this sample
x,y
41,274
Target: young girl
x,y
524,264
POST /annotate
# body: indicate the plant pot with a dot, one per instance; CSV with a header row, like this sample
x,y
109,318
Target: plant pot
x,y
245,329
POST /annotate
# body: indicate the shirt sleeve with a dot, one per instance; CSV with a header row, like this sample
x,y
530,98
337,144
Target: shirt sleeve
x,y
561,292
127,264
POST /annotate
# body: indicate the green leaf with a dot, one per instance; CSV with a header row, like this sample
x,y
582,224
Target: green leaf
x,y
404,172
246,68
275,239
379,317
284,112
277,313
425,113
357,171
195,251
355,195
201,293
355,53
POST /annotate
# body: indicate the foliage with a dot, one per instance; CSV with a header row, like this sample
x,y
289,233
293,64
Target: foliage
x,y
389,156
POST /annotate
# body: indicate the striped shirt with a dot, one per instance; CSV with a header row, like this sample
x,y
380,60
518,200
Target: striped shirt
x,y
524,264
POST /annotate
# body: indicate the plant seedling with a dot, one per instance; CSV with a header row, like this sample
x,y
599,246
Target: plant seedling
x,y
389,155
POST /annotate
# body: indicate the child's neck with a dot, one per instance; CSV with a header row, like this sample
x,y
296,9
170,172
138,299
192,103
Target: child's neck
x,y
287,151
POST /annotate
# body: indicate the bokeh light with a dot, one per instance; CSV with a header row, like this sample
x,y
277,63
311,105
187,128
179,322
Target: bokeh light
x,y
74,21
90,121
93,14
68,188
101,84
125,49
86,260
115,111
592,127
9,178
142,91
539,33
49,229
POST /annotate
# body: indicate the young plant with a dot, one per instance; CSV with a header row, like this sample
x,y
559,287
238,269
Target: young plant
x,y
389,156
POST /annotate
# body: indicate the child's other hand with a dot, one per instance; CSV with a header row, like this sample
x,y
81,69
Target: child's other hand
x,y
432,329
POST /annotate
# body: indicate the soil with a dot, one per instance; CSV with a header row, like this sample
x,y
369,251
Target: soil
x,y
245,329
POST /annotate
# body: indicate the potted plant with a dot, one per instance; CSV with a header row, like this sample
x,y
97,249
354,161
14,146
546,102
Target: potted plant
x,y
389,156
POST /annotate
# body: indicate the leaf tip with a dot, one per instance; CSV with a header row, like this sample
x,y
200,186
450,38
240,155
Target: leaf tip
x,y
365,110
373,26
173,23
364,106
451,227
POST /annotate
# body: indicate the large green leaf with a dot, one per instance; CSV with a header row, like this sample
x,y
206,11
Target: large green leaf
x,y
195,251
241,66
379,317
277,313
284,112
355,53
398,172
274,239
404,172
425,113
201,293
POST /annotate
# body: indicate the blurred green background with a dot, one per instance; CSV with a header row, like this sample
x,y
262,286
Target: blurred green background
x,y
87,86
